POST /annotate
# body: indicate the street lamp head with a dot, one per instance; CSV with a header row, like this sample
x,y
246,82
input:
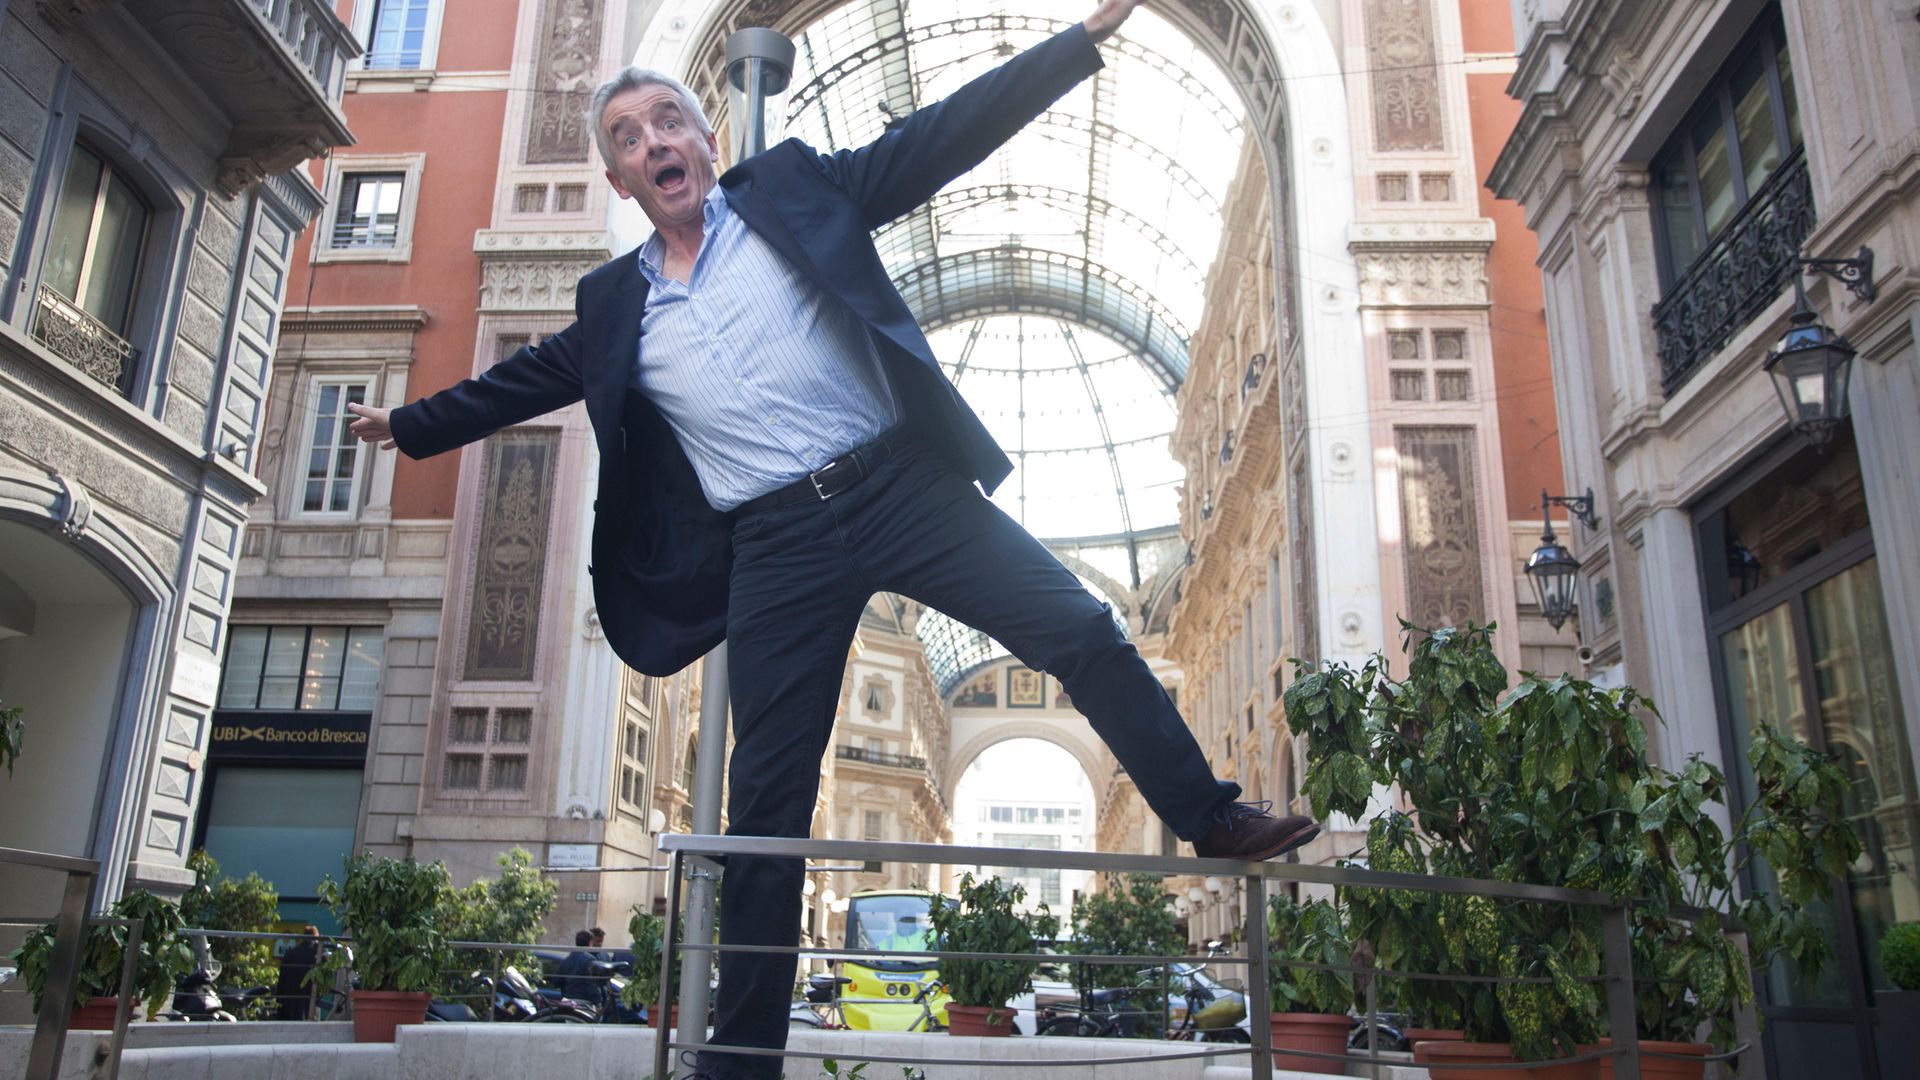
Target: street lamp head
x,y
759,74
1810,367
1555,574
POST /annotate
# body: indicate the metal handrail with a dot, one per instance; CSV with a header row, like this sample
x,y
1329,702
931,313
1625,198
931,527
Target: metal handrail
x,y
63,969
1617,957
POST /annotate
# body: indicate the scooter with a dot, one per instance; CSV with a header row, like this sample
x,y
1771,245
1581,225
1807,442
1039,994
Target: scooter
x,y
195,998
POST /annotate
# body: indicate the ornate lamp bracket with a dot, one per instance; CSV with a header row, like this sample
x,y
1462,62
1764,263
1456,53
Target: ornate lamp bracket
x,y
1579,507
1855,273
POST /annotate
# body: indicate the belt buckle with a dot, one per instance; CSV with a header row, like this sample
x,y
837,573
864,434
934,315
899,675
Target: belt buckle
x,y
814,478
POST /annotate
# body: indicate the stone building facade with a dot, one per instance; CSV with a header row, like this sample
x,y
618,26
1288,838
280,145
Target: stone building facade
x,y
149,204
1675,162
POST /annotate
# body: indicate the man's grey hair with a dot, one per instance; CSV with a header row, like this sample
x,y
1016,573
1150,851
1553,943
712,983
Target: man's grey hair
x,y
633,78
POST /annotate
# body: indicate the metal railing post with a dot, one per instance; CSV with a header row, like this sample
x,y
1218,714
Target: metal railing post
x,y
63,975
662,1054
129,988
1259,990
703,888
1373,1019
1617,948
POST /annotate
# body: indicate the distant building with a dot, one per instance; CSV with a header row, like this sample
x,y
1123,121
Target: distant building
x,y
150,197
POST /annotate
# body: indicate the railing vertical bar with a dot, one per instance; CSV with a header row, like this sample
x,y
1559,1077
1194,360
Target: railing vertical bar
x,y
1259,1001
1373,1020
661,1054
63,972
1617,949
129,989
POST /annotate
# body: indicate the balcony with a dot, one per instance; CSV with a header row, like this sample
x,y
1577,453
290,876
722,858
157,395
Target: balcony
x,y
1739,274
879,757
274,68
82,340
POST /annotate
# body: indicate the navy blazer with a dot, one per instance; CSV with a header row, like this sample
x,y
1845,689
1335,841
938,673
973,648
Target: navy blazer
x,y
662,555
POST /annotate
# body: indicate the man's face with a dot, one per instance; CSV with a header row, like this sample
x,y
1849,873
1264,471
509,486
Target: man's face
x,y
660,157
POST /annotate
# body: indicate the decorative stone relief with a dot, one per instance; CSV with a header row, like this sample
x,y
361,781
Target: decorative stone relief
x,y
1422,277
567,57
1306,594
1401,56
530,285
1439,512
503,626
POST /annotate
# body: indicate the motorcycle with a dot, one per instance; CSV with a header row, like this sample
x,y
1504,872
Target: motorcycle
x,y
196,998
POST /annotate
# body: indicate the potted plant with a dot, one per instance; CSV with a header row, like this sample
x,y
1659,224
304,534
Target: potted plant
x,y
1549,782
643,985
163,959
218,902
983,919
1310,1003
1131,916
13,731
1900,1009
392,910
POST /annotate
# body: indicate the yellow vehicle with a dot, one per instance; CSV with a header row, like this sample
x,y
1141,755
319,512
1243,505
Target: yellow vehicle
x,y
891,995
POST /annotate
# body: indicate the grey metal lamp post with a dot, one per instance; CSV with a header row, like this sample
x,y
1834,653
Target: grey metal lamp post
x,y
759,69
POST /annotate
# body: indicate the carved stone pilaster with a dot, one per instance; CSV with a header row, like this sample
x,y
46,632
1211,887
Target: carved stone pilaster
x,y
567,59
1437,264
1408,109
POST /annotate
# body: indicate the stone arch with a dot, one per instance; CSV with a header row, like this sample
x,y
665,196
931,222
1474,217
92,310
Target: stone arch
x,y
973,735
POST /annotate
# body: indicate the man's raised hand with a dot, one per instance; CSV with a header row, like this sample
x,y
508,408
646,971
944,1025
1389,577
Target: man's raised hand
x,y
1107,18
370,424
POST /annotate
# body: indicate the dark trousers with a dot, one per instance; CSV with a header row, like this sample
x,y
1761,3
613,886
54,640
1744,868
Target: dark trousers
x,y
801,577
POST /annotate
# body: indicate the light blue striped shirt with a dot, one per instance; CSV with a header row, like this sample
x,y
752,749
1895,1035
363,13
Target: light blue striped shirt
x,y
763,377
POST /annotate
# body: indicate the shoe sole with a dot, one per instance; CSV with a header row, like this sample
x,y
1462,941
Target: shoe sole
x,y
1294,840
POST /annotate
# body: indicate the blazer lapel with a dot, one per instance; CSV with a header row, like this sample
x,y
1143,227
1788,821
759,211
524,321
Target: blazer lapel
x,y
758,212
618,351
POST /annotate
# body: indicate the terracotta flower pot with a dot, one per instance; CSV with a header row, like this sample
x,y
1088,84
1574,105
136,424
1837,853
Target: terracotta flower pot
x,y
1317,1033
978,1020
377,1013
95,1015
673,1017
1662,1068
1446,1051
1419,1034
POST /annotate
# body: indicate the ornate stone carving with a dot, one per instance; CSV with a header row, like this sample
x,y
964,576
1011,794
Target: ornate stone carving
x,y
1407,104
1423,278
567,56
544,285
503,625
1440,519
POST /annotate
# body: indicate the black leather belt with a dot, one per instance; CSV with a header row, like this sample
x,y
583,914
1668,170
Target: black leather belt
x,y
830,479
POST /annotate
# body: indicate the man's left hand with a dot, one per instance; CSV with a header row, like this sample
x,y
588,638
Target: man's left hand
x,y
1107,18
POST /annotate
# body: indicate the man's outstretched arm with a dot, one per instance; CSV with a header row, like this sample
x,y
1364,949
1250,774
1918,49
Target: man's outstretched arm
x,y
905,167
532,382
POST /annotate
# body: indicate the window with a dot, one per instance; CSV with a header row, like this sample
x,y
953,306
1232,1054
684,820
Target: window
x,y
636,739
372,200
487,749
368,213
399,34
1743,128
302,667
333,454
1002,815
100,225
874,828
1026,815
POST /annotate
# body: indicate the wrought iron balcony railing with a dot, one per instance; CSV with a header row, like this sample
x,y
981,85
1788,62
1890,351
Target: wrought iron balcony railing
x,y
1739,274
82,340
879,757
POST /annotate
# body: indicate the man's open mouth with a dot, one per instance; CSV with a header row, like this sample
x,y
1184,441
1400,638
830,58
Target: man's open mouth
x,y
669,178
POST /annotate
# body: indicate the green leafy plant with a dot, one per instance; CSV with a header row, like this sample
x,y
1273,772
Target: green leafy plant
x,y
983,919
1309,933
1900,955
1549,782
13,732
392,909
509,910
643,986
163,956
218,902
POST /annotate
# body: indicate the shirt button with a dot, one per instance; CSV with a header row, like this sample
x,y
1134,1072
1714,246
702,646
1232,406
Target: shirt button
x,y
736,380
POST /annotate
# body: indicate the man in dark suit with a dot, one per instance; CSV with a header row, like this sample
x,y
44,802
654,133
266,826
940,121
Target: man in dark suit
x,y
777,443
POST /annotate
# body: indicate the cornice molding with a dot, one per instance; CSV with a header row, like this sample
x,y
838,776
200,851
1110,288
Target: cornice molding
x,y
362,319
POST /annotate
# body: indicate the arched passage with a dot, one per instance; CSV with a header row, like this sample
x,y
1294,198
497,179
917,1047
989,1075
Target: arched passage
x,y
975,733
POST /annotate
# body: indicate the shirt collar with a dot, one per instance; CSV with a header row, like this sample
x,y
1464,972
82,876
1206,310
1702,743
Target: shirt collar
x,y
711,209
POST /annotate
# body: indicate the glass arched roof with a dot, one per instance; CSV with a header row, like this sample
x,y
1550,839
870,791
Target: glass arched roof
x,y
1059,279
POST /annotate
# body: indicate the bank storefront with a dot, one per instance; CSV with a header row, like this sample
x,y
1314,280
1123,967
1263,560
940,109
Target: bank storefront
x,y
287,757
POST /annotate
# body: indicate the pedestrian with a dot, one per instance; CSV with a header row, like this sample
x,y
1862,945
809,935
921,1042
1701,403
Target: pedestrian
x,y
777,443
290,987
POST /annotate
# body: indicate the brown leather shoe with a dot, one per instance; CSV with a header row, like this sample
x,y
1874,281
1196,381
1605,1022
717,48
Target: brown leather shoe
x,y
1246,831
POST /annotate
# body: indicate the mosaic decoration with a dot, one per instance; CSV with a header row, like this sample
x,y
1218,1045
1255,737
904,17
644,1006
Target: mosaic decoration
x,y
503,624
1440,519
564,69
